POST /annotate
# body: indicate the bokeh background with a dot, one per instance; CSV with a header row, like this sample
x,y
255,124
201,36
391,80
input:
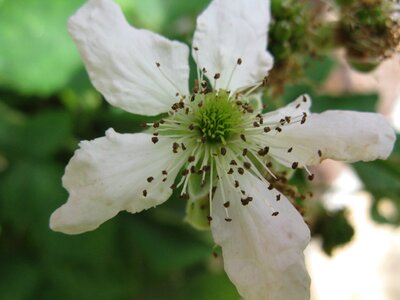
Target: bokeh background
x,y
47,105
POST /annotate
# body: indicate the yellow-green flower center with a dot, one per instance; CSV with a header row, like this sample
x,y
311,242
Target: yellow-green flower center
x,y
218,117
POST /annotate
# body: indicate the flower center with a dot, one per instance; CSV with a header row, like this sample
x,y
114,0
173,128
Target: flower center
x,y
218,117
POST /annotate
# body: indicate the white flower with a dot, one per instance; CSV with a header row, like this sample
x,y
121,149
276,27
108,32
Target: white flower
x,y
214,137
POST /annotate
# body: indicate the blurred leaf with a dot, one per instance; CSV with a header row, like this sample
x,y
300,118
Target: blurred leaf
x,y
318,68
210,286
382,179
168,249
321,102
37,56
18,280
28,192
334,229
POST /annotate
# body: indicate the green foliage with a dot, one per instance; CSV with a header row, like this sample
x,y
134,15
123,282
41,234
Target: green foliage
x,y
36,56
382,179
334,229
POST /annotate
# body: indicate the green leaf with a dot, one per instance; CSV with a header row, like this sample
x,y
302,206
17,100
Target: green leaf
x,y
36,55
168,249
382,179
318,68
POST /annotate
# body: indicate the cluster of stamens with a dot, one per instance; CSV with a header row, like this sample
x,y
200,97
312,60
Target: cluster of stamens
x,y
218,136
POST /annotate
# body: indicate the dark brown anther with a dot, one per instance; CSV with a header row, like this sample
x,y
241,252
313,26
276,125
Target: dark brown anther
x,y
196,49
271,187
200,104
204,70
150,179
244,152
274,214
185,172
144,193
177,94
217,75
209,218
156,124
311,177
239,61
236,184
155,133
287,119
240,171
227,204
295,165
298,105
278,197
203,139
267,129
183,146
173,186
206,168
162,121
268,164
255,124
223,151
228,219
193,169
187,110
230,171
191,158
247,165
278,129
244,201
158,64
243,137
304,98
164,172
239,103
164,179
319,153
266,150
261,152
290,149
233,162
265,81
154,139
282,121
191,127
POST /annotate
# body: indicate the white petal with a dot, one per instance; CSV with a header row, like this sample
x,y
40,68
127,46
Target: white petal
x,y
121,60
340,135
109,174
263,254
294,109
232,29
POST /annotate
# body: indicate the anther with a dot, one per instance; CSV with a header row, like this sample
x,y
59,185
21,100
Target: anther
x,y
230,171
304,98
150,179
278,197
185,172
227,204
233,162
144,193
223,151
217,75
278,129
290,149
239,61
298,105
183,146
228,219
247,165
311,177
191,158
164,172
295,165
209,218
191,127
287,119
255,124
240,171
243,137
244,152
154,139
193,169
267,129
236,184
158,64
319,153
274,214
196,49
156,124
173,186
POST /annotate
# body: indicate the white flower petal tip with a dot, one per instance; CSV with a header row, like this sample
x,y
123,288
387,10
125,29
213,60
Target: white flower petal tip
x,y
263,242
231,40
113,173
136,70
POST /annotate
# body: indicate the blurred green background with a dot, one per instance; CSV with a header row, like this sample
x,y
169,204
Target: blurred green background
x,y
47,105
